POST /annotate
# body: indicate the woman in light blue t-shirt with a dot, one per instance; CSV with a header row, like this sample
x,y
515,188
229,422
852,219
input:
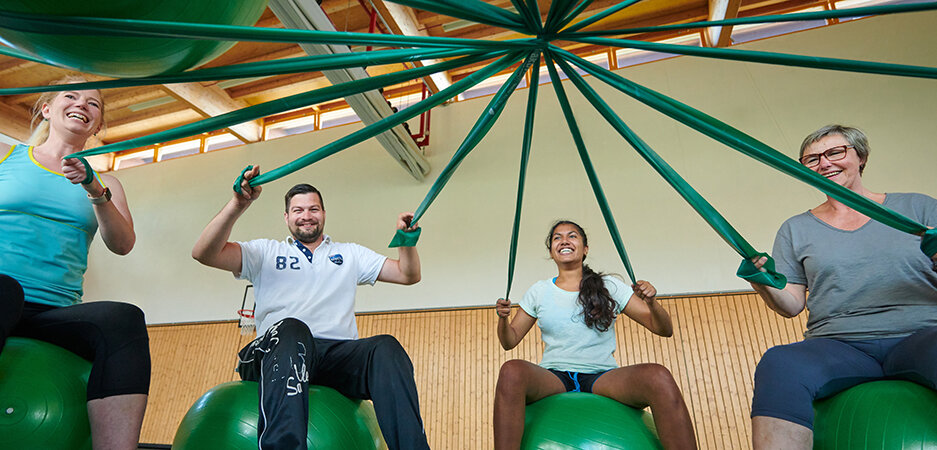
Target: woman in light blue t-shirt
x,y
576,311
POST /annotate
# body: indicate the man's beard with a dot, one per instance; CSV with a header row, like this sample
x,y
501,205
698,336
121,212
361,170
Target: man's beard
x,y
307,236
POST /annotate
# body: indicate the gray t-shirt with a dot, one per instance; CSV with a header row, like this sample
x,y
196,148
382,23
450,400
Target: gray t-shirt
x,y
869,283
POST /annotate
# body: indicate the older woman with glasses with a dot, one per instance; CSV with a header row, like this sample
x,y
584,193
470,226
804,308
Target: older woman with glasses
x,y
872,303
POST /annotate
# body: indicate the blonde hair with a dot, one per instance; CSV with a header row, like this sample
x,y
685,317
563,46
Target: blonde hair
x,y
39,124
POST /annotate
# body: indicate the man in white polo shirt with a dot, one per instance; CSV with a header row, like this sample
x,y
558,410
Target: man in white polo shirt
x,y
305,291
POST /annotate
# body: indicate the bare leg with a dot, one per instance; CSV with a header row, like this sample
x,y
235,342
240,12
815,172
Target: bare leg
x,y
643,385
770,433
116,421
519,383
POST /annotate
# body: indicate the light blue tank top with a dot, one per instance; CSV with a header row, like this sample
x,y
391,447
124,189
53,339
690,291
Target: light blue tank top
x,y
46,228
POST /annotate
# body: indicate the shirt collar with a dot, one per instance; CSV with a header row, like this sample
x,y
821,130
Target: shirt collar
x,y
325,240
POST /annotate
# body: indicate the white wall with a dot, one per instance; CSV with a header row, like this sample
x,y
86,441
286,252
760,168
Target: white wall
x,y
467,230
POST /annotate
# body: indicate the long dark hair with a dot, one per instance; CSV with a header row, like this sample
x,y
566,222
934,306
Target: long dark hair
x,y
598,306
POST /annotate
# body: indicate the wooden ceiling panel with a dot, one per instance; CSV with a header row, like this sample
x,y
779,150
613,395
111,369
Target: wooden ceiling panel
x,y
156,120
116,99
274,88
347,15
244,52
156,111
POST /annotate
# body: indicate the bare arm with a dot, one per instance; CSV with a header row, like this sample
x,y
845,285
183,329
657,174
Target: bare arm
x,y
114,221
405,269
644,309
787,302
212,248
511,334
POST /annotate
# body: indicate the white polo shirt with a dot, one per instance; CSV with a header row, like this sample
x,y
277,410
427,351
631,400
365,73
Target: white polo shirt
x,y
321,293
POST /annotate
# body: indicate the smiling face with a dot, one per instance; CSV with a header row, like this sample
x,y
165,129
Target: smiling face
x,y
305,217
568,244
75,112
845,172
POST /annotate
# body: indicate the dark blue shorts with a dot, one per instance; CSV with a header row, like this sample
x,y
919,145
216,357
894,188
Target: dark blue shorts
x,y
577,381
790,377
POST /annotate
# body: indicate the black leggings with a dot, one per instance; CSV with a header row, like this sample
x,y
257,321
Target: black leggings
x,y
111,335
287,358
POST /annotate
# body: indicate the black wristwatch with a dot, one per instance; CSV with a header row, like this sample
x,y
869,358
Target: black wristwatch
x,y
102,199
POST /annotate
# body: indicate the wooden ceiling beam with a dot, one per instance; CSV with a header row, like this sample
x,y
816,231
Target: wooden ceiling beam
x,y
692,13
402,20
778,7
14,123
369,106
720,10
10,65
212,101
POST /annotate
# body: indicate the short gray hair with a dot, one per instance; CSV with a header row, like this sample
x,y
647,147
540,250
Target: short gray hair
x,y
855,136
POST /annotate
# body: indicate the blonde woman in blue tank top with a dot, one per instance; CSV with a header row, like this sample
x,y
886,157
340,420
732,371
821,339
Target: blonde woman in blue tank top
x,y
50,210
576,312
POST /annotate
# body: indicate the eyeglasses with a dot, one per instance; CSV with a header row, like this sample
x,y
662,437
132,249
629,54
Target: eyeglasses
x,y
831,154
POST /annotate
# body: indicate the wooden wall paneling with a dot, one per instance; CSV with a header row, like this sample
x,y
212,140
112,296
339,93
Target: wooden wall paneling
x,y
665,349
776,326
738,412
709,332
736,346
758,331
695,383
700,384
737,389
187,361
709,388
725,373
740,347
711,368
750,350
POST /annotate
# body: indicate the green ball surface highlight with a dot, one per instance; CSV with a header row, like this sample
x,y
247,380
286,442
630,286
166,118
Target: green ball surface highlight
x,y
226,417
892,414
131,57
43,397
576,420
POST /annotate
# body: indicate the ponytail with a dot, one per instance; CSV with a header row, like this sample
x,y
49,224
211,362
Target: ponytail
x,y
598,306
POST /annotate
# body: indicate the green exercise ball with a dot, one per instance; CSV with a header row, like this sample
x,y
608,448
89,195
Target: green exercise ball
x,y
226,417
893,415
43,399
130,56
577,420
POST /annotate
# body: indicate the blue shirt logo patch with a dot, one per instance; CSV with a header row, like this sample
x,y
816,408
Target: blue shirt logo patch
x,y
336,258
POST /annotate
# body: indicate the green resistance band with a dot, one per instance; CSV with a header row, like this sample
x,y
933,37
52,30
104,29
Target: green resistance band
x,y
753,148
475,135
587,165
702,207
522,177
